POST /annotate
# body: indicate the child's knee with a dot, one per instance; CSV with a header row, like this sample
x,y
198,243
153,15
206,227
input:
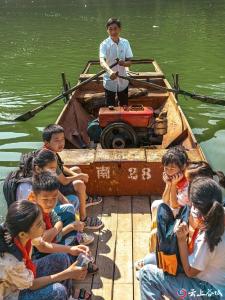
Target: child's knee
x,y
59,292
76,169
155,205
69,208
79,186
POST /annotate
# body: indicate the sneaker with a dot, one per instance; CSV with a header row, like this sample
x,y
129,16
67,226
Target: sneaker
x,y
93,223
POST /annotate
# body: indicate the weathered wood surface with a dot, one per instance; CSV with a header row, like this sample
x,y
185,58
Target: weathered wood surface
x,y
123,240
116,172
93,96
139,75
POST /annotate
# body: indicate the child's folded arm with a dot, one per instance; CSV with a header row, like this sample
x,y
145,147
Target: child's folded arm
x,y
166,194
63,199
77,226
173,197
46,247
58,226
50,234
181,233
67,180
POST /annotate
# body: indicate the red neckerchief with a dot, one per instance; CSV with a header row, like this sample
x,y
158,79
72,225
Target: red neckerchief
x,y
182,183
48,223
47,220
26,255
191,244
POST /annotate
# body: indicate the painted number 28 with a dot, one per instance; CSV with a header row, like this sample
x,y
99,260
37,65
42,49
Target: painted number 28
x,y
145,173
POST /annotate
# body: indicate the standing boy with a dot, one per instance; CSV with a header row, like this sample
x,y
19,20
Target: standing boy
x,y
111,49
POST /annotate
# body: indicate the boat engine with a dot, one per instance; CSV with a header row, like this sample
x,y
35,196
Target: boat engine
x,y
128,127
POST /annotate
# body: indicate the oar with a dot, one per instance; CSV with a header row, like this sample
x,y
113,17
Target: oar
x,y
31,113
202,98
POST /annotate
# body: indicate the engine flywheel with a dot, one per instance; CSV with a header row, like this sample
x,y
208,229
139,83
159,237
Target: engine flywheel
x,y
118,136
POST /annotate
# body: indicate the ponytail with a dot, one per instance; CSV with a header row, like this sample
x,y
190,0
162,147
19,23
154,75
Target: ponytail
x,y
214,225
206,195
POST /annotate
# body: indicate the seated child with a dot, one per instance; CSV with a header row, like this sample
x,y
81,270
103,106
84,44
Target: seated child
x,y
192,170
203,259
23,279
45,194
71,181
46,161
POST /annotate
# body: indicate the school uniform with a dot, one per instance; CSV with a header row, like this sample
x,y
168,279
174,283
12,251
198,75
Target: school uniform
x,y
111,51
208,284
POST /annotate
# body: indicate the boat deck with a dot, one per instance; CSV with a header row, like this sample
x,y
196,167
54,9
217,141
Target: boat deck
x,y
123,240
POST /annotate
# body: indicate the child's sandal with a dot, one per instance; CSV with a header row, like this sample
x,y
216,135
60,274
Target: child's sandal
x,y
93,223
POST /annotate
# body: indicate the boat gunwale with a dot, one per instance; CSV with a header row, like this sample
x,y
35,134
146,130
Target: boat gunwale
x,y
171,95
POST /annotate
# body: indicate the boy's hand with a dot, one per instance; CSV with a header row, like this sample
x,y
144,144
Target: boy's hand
x,y
78,226
76,250
113,75
122,63
49,235
77,273
182,231
177,177
166,178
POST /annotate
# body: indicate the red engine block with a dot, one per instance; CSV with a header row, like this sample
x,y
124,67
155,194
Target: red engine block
x,y
135,116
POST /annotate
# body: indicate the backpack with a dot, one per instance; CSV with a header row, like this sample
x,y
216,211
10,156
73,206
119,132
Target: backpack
x,y
59,162
167,251
10,185
22,174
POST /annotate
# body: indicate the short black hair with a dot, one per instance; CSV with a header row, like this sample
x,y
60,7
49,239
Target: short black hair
x,y
177,156
43,158
50,130
112,21
44,182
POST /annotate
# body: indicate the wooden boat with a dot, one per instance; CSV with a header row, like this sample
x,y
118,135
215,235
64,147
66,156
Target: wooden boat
x,y
129,179
134,171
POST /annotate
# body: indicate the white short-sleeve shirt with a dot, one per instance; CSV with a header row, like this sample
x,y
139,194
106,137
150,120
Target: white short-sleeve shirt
x,y
110,51
14,277
211,264
23,190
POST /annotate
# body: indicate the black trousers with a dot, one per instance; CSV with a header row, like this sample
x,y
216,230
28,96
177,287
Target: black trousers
x,y
111,97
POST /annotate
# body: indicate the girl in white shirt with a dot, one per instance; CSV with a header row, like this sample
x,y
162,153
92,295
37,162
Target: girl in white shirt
x,y
24,279
203,260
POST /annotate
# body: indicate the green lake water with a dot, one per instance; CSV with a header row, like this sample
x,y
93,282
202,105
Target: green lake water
x,y
39,39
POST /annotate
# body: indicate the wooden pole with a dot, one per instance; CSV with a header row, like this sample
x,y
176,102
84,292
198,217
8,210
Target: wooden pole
x,y
176,84
65,87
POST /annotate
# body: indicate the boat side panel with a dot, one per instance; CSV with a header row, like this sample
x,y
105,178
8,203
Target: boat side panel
x,y
122,172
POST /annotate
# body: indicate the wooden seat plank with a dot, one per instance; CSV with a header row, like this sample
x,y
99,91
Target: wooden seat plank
x,y
103,282
141,214
141,218
112,155
123,275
